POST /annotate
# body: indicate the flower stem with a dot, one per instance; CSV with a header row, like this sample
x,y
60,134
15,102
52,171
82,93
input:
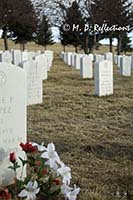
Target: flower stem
x,y
22,170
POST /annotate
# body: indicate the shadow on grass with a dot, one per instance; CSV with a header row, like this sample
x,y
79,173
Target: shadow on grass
x,y
110,151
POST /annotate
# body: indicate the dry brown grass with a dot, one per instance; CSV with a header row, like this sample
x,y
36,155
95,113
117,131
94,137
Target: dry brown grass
x,y
57,48
93,135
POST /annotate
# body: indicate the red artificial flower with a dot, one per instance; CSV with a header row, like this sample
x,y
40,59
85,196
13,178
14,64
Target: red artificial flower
x,y
4,194
44,171
28,147
38,163
12,157
57,182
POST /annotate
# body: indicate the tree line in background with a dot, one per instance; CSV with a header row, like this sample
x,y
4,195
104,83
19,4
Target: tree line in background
x,y
100,12
20,22
25,20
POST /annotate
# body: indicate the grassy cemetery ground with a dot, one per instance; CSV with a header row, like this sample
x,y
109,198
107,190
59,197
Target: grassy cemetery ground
x,y
94,136
57,48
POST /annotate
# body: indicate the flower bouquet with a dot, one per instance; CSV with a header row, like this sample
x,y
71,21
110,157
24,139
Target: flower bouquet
x,y
47,176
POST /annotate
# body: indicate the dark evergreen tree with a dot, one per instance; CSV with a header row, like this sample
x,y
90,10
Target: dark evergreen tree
x,y
6,12
17,17
64,37
123,17
44,35
112,12
126,44
75,21
24,26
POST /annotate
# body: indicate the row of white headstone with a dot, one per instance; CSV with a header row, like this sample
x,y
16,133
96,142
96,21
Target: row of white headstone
x,y
20,85
36,66
103,68
16,56
124,63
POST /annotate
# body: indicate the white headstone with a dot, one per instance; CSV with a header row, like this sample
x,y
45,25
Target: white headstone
x,y
69,58
49,55
109,56
77,60
115,59
132,62
65,57
125,66
42,64
6,57
119,60
31,55
16,57
99,58
38,53
91,56
49,52
34,82
45,67
86,69
24,56
72,59
12,117
103,75
62,55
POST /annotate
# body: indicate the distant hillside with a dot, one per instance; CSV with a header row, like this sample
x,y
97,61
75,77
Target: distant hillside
x,y
57,47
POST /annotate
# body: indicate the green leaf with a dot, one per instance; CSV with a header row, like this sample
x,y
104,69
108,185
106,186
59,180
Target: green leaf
x,y
10,167
24,162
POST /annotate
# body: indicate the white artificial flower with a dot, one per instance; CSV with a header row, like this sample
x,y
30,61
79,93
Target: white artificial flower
x,y
51,155
72,195
30,191
65,189
39,147
65,172
60,163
